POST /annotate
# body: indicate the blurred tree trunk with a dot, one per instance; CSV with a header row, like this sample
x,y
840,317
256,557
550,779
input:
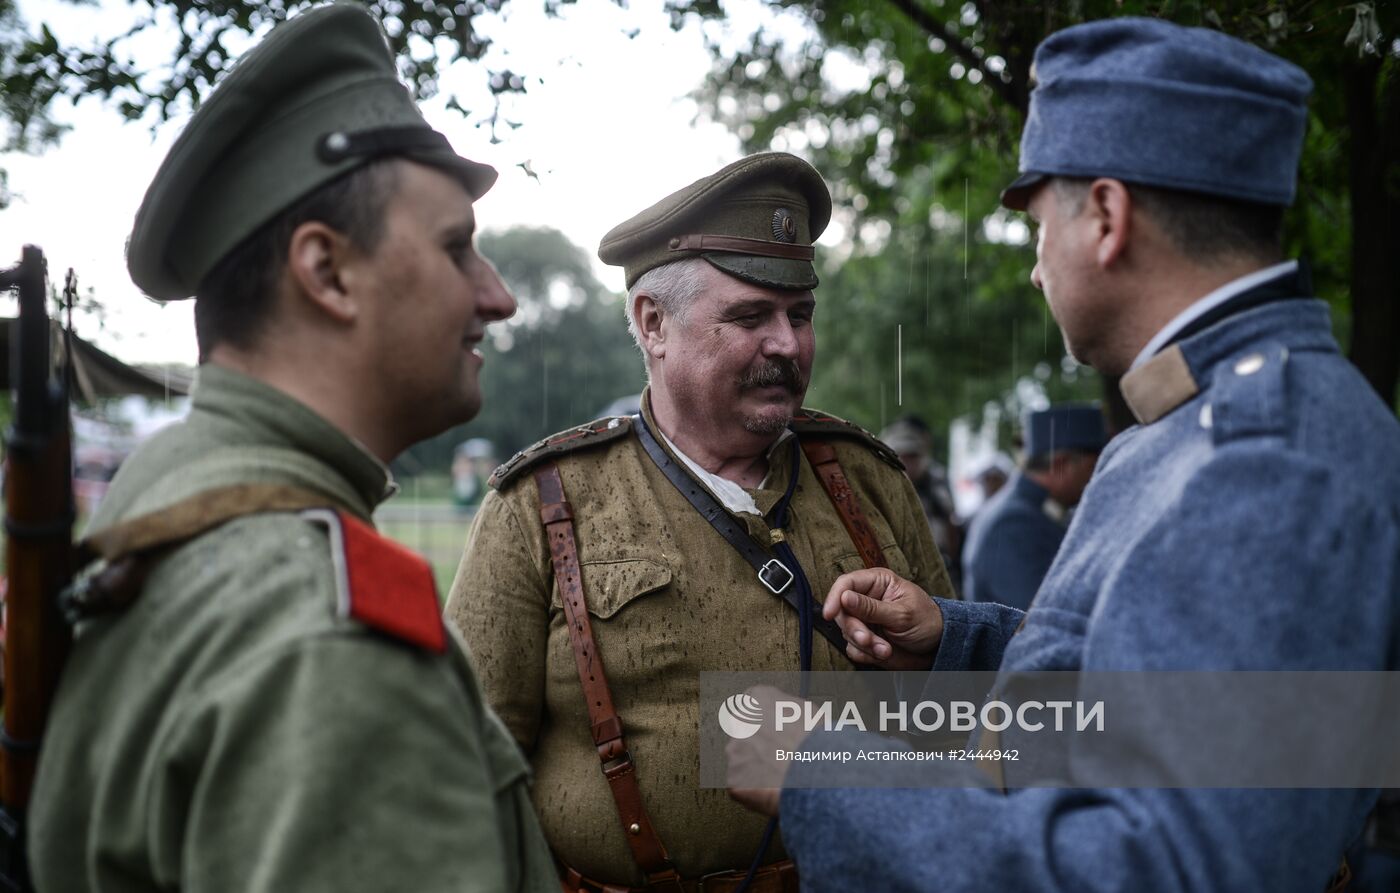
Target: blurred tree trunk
x,y
1373,118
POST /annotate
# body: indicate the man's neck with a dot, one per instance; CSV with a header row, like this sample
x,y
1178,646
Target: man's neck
x,y
1168,294
741,457
322,393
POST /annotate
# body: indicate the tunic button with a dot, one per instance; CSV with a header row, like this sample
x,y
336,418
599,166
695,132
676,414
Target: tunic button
x,y
635,828
1206,418
1250,364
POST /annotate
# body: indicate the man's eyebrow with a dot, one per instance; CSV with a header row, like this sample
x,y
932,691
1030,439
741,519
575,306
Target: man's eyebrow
x,y
461,231
750,305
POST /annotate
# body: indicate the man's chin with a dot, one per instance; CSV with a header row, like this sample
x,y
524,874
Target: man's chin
x,y
770,420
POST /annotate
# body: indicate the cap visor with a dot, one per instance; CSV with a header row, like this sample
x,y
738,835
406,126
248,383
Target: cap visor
x,y
769,272
1018,194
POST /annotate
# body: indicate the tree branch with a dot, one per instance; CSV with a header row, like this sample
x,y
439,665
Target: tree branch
x,y
944,31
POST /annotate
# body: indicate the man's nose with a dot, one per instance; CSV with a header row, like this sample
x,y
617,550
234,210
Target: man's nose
x,y
780,340
494,301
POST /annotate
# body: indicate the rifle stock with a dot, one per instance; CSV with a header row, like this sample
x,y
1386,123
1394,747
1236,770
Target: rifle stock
x,y
39,518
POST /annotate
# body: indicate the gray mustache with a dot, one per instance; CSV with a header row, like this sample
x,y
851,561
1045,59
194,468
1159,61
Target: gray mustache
x,y
773,372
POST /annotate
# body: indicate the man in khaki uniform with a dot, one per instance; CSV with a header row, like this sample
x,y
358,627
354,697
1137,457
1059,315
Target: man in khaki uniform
x,y
279,707
720,277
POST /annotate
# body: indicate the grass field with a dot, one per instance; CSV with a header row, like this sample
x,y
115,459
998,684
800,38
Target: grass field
x,y
436,530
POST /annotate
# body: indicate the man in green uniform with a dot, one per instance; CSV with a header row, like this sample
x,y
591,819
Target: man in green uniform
x,y
278,706
689,527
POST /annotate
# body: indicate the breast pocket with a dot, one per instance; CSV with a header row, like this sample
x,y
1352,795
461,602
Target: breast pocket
x,y
609,585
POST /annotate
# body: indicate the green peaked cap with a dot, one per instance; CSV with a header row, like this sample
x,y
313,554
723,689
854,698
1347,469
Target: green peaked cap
x,y
755,219
317,98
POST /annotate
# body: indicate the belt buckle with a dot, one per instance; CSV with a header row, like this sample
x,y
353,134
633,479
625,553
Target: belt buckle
x,y
771,568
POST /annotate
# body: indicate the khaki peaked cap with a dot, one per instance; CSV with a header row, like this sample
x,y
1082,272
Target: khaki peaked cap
x,y
317,98
755,219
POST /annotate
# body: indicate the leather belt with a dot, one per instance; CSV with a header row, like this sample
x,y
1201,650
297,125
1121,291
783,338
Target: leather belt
x,y
779,877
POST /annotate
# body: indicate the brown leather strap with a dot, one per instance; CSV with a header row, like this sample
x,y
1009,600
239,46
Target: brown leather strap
x,y
621,773
779,877
759,247
202,512
822,455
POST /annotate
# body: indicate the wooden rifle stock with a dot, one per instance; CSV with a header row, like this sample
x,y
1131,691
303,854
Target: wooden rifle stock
x,y
38,555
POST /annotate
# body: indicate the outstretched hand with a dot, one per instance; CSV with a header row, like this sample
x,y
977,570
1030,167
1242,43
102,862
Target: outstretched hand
x,y
888,621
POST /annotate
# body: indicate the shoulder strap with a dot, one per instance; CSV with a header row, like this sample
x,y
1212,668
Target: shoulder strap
x,y
127,546
824,426
190,517
647,849
777,576
595,433
822,455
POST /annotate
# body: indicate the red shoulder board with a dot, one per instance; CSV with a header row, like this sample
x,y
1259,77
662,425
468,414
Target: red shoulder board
x,y
382,584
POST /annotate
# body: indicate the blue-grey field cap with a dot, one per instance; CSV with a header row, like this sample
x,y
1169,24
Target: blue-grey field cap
x,y
1146,101
755,219
317,98
1067,426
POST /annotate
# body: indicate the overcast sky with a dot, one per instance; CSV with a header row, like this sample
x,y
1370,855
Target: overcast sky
x,y
609,131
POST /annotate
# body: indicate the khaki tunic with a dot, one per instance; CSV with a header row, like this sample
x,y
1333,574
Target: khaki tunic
x,y
669,599
230,732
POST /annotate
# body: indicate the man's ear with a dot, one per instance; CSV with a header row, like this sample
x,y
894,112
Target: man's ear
x,y
649,319
319,261
1110,209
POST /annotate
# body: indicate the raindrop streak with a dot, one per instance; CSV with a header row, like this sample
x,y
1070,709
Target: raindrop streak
x,y
965,225
899,364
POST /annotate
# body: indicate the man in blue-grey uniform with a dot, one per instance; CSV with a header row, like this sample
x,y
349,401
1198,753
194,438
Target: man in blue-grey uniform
x,y
1014,538
1221,533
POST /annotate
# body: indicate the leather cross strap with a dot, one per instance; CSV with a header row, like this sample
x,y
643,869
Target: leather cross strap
x,y
621,773
822,455
724,524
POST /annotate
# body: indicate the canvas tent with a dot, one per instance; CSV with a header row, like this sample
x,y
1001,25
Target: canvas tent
x,y
98,374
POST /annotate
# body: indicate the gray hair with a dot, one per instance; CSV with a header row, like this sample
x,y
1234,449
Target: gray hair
x,y
672,286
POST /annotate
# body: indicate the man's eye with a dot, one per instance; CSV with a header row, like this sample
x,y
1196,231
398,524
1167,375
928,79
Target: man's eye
x,y
749,320
460,252
799,319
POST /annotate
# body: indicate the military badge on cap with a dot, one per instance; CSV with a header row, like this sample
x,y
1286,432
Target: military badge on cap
x,y
784,227
755,219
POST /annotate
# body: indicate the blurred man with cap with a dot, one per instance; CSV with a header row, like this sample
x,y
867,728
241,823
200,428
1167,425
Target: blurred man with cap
x,y
1013,539
1221,533
910,438
616,561
262,694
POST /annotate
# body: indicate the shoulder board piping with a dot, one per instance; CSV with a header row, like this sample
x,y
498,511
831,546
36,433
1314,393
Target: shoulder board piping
x,y
599,431
824,426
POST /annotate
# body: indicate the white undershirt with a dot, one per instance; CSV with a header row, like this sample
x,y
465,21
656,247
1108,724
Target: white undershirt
x,y
1208,303
731,495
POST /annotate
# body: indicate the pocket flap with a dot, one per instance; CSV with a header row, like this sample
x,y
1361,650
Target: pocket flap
x,y
608,585
894,558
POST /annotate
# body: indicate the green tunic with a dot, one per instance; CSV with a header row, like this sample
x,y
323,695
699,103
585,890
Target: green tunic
x,y
231,732
669,598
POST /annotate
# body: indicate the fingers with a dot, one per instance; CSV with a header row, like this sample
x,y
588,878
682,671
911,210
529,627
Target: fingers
x,y
870,581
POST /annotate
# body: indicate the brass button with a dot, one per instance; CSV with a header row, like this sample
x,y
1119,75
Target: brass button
x,y
635,828
675,243
1250,364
